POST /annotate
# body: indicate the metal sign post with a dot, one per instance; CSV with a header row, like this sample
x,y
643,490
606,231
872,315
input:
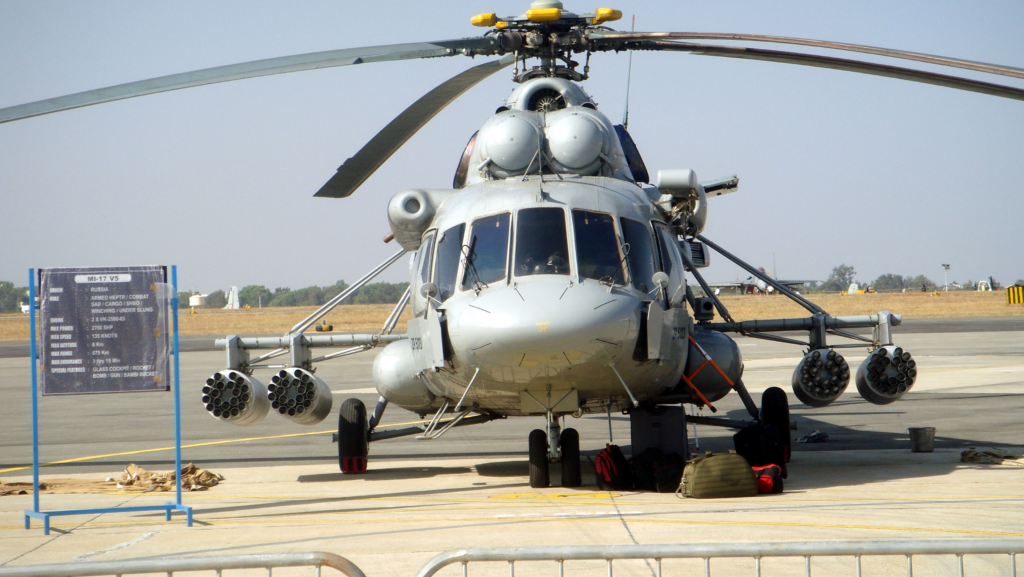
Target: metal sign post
x,y
109,379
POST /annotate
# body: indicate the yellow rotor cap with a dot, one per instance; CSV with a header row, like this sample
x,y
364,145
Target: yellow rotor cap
x,y
543,14
484,20
606,15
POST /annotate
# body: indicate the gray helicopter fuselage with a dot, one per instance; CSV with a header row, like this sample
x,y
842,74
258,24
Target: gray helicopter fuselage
x,y
541,271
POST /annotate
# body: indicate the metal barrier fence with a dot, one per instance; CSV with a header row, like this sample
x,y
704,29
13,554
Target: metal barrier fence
x,y
171,566
755,551
609,554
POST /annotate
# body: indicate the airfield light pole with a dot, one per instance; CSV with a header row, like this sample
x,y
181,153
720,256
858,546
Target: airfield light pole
x,y
945,273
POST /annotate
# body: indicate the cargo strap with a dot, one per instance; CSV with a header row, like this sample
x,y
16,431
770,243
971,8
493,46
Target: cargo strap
x,y
707,361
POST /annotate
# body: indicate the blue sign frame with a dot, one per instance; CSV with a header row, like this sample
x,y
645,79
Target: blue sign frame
x,y
168,507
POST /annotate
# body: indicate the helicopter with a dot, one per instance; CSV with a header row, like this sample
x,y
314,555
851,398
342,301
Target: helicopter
x,y
551,278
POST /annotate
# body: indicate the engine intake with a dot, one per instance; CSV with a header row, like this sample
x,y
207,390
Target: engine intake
x,y
886,375
235,397
821,377
300,396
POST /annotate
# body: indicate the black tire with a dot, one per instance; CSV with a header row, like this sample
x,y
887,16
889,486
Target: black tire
x,y
775,412
570,443
352,442
539,459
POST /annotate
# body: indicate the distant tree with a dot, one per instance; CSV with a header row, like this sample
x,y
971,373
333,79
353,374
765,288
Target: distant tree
x,y
254,296
1020,282
380,293
308,297
839,280
216,300
12,297
183,299
334,290
890,282
282,297
920,280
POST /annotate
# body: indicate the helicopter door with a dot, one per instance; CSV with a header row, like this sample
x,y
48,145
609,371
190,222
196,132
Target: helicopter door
x,y
668,328
427,342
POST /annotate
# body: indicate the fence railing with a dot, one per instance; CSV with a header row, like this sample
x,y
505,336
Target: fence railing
x,y
705,552
755,551
175,565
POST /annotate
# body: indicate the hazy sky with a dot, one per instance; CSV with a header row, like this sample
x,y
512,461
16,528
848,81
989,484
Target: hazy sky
x,y
835,167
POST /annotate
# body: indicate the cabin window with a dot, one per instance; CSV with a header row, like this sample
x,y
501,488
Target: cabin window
x,y
639,254
424,257
449,251
668,245
486,251
541,242
597,247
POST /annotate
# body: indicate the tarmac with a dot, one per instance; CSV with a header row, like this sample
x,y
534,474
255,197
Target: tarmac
x,y
283,490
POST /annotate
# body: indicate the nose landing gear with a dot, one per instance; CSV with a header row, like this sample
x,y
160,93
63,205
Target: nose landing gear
x,y
551,446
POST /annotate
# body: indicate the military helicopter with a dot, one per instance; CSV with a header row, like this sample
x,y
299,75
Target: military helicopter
x,y
550,280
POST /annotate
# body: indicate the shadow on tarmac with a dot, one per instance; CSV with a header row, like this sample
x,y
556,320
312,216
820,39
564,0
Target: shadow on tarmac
x,y
396,473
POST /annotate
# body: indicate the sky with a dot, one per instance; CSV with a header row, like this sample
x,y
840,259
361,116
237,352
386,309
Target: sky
x,y
835,168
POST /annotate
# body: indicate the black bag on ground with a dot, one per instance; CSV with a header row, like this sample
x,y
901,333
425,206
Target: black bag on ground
x,y
656,471
668,477
645,468
760,445
613,470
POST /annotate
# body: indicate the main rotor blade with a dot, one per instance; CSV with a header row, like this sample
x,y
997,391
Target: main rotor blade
x,y
836,64
364,163
888,52
281,65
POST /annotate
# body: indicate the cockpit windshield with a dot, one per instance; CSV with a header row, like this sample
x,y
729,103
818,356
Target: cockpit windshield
x,y
597,247
541,242
486,252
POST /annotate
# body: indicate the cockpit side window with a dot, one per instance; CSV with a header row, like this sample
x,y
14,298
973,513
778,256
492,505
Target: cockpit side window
x,y
425,257
671,262
640,254
486,252
597,246
542,246
449,251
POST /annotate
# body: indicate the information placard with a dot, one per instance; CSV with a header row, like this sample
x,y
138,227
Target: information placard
x,y
104,330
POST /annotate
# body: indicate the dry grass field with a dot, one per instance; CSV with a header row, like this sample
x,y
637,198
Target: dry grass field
x,y
369,318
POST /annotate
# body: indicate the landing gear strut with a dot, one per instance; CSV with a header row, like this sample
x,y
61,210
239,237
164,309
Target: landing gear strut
x,y
554,445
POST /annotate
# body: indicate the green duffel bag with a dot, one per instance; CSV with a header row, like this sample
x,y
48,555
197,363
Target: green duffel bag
x,y
717,476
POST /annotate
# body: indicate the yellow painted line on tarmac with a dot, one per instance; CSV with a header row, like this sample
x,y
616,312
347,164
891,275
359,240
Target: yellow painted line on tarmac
x,y
191,446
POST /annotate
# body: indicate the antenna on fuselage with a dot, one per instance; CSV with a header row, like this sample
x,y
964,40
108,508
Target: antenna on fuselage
x,y
629,76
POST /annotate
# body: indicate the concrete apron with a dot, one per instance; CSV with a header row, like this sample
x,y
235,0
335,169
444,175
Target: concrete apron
x,y
395,518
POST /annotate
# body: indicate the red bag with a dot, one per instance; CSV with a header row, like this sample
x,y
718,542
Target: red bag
x,y
612,468
769,478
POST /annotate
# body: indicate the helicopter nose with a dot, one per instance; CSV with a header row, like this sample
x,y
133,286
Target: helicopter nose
x,y
546,322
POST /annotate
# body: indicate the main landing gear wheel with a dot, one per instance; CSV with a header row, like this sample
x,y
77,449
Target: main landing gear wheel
x,y
570,443
352,442
539,459
775,412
